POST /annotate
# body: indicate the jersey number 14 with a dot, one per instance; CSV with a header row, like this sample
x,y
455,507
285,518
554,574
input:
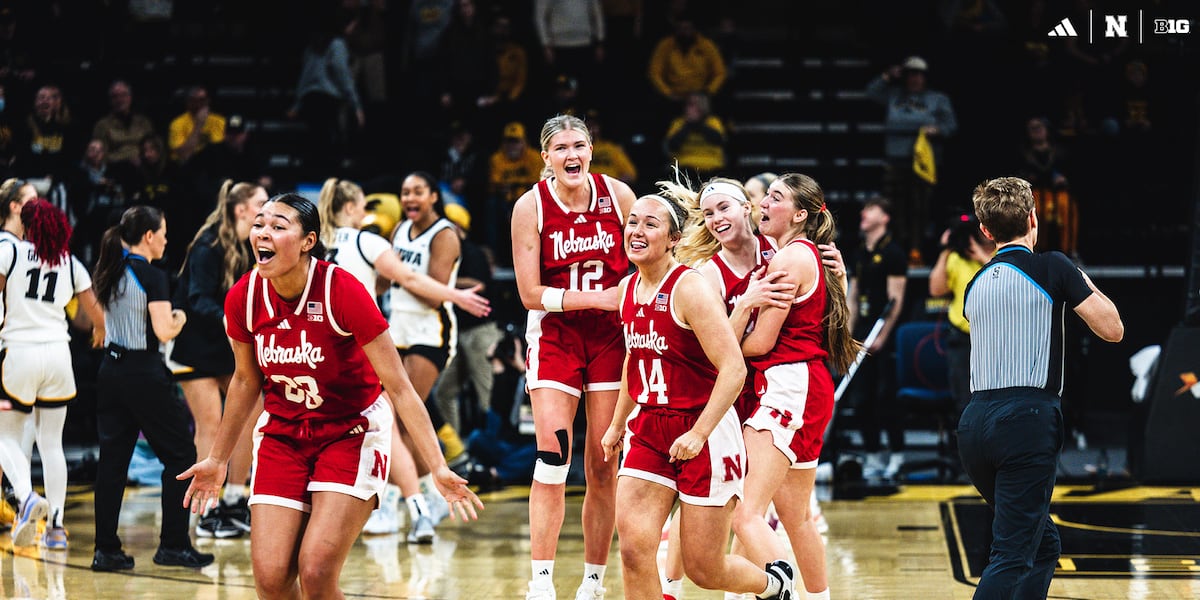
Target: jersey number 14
x,y
652,382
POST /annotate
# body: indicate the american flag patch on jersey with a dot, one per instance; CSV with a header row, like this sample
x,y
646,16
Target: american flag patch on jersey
x,y
313,308
660,302
604,203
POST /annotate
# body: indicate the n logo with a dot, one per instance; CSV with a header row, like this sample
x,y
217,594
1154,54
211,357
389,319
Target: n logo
x,y
733,467
380,467
783,416
1115,26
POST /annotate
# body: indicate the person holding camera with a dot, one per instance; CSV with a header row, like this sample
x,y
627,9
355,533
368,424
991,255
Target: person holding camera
x,y
964,251
136,391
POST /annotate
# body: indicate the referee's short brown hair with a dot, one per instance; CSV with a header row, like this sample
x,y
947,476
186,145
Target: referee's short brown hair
x,y
1003,206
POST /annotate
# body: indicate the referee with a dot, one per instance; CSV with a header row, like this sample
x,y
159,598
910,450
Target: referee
x,y
1011,432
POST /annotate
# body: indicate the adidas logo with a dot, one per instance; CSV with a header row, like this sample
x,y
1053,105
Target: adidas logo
x,y
641,313
580,219
284,324
358,429
594,577
544,572
1063,29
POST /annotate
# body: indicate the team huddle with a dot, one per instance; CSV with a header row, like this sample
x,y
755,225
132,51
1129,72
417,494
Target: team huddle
x,y
723,330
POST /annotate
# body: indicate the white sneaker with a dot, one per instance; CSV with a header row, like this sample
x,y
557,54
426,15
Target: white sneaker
x,y
386,518
422,531
895,461
439,509
538,592
786,574
874,467
33,509
590,589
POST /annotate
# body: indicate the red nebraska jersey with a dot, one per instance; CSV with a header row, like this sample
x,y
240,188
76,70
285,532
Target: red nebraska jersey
x,y
667,367
734,285
310,348
581,251
802,336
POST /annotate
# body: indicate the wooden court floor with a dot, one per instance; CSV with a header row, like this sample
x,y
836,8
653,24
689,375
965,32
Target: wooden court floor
x,y
924,542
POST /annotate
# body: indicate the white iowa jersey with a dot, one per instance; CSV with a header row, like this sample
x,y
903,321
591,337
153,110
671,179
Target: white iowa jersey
x,y
356,251
415,253
6,237
36,295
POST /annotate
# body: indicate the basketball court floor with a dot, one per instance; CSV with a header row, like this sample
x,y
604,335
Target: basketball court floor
x,y
923,541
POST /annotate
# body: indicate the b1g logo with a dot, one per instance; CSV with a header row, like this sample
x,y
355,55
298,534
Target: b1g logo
x,y
1169,26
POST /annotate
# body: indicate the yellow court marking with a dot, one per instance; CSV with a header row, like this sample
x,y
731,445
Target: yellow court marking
x,y
1062,493
1129,530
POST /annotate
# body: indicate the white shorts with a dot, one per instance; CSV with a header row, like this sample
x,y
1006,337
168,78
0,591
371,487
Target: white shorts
x,y
795,405
433,329
38,373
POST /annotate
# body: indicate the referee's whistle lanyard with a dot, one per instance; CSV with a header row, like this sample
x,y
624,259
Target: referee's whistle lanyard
x,y
1013,248
128,256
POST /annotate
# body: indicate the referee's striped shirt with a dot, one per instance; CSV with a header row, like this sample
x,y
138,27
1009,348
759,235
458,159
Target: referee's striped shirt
x,y
1016,305
127,316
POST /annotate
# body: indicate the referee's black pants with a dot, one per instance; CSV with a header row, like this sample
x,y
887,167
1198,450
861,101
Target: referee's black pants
x,y
1009,441
136,393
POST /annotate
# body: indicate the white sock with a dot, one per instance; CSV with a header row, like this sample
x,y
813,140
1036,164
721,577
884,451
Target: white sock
x,y
417,506
543,572
773,586
822,595
427,484
673,587
232,493
596,572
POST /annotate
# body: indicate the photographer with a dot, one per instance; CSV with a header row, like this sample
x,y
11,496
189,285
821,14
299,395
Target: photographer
x,y
964,251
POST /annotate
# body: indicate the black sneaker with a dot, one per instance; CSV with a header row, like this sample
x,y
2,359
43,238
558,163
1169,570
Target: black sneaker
x,y
182,557
238,514
111,561
217,523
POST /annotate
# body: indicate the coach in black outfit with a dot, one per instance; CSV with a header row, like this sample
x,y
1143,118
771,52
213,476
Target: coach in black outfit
x,y
1011,432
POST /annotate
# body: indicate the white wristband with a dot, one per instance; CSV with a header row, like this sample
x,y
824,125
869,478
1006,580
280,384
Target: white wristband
x,y
552,299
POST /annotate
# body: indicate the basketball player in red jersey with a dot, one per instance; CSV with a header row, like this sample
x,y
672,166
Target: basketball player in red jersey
x,y
568,258
311,336
787,349
682,372
732,255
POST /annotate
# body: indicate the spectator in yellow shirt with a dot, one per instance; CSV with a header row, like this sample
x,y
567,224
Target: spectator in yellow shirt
x,y
696,140
512,170
686,62
197,128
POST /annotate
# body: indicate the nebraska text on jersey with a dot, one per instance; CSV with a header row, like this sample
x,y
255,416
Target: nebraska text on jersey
x,y
602,241
647,341
305,353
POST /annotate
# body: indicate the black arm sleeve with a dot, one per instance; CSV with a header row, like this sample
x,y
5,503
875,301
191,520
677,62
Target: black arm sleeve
x,y
205,294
